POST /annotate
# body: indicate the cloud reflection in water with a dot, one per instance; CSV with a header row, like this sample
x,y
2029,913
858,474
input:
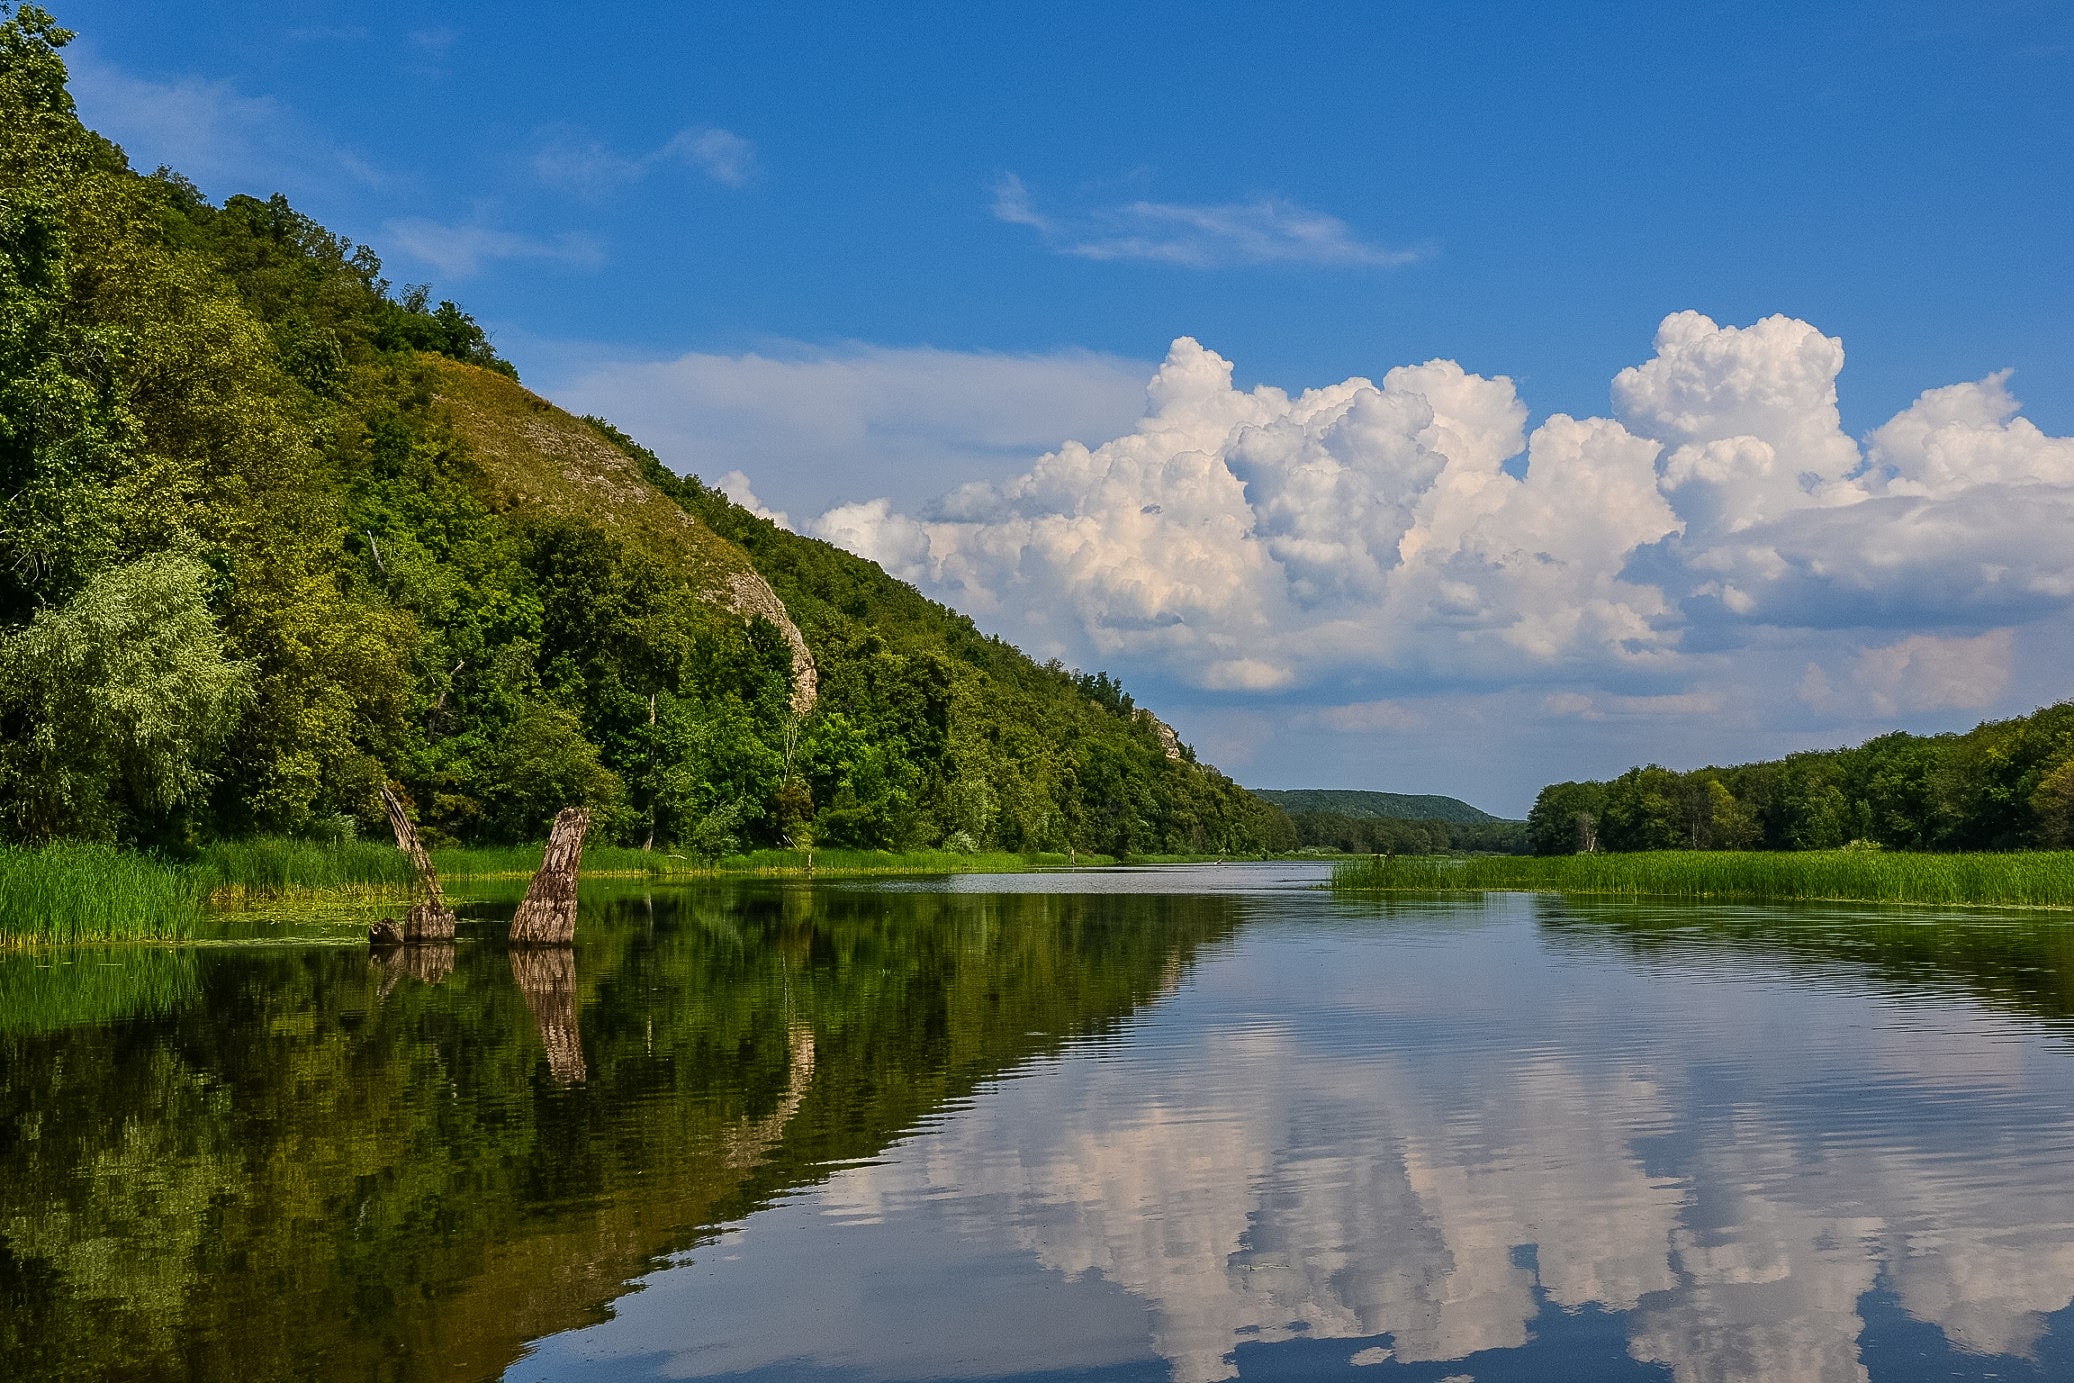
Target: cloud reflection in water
x,y
1424,1135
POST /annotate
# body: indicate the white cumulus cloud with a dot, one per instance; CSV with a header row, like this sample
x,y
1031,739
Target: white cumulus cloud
x,y
1265,541
736,487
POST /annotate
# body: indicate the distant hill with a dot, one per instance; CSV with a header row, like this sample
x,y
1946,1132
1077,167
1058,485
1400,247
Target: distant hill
x,y
1389,806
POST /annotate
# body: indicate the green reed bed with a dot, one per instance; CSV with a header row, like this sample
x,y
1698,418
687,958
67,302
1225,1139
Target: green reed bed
x,y
2027,879
787,862
514,861
602,861
62,894
276,867
68,894
521,861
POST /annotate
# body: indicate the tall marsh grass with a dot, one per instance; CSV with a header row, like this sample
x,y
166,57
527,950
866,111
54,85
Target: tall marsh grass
x,y
2026,879
68,894
604,861
274,866
63,894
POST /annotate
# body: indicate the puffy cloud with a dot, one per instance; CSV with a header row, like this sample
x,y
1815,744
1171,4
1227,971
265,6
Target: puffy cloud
x,y
1965,435
736,487
873,531
1748,416
1919,673
1257,540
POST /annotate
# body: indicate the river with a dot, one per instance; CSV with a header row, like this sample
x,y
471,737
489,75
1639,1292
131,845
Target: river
x,y
1188,1124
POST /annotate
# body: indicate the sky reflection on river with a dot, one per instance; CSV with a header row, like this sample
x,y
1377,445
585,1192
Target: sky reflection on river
x,y
1503,1141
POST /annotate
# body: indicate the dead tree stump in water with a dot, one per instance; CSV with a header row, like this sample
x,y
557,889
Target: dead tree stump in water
x,y
430,921
547,917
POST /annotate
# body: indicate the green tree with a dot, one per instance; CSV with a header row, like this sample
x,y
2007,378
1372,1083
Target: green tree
x,y
116,704
1565,819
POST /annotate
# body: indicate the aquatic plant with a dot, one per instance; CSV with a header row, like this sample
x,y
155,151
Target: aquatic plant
x,y
62,894
271,866
600,861
2032,879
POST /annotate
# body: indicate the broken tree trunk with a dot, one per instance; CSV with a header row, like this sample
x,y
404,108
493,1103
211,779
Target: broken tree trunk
x,y
407,842
547,917
431,920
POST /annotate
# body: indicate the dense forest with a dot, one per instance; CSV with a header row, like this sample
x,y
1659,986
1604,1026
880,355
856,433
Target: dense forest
x,y
2003,785
273,533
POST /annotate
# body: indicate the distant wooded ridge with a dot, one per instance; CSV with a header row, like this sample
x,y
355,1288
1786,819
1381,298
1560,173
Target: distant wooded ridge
x,y
1373,806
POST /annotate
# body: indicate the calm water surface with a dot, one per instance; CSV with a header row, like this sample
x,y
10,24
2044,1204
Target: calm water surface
x,y
1164,1124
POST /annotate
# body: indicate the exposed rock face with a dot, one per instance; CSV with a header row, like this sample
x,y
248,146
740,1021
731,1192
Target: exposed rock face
x,y
547,916
748,594
1168,740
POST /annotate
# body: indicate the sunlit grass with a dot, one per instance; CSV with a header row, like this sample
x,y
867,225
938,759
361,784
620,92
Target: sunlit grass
x,y
69,894
277,866
62,894
612,860
2030,879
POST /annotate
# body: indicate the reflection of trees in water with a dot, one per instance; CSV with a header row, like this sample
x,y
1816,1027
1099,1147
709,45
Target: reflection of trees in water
x,y
427,964
546,975
2020,962
748,1142
299,1116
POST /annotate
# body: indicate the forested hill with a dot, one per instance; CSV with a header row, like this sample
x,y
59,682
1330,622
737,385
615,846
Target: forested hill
x,y
2003,785
272,534
1379,806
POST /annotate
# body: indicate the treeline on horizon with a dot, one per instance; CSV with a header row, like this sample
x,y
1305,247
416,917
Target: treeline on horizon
x,y
1382,835
251,569
2004,785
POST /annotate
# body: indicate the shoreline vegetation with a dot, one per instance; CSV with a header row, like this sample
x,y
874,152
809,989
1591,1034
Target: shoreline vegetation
x,y
70,894
2029,879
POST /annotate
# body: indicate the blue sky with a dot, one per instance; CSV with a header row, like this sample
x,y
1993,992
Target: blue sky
x,y
877,252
